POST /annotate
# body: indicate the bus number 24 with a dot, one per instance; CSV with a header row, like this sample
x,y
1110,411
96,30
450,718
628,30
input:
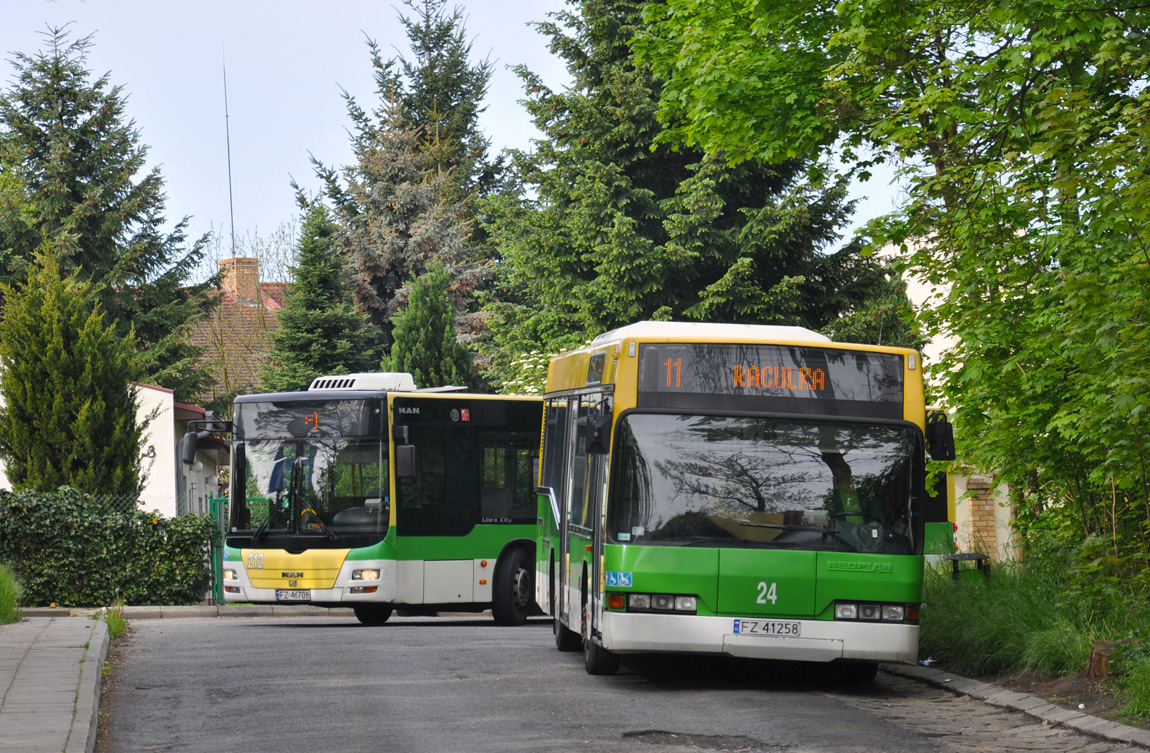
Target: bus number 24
x,y
767,592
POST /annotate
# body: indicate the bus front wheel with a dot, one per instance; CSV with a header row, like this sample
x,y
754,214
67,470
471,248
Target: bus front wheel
x,y
513,590
372,615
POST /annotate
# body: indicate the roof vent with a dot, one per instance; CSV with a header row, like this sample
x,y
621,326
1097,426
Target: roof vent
x,y
393,381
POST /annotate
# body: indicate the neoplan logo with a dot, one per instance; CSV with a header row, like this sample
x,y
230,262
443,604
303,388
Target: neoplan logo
x,y
861,567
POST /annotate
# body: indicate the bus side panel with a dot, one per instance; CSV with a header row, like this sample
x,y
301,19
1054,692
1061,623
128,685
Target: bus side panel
x,y
547,553
891,579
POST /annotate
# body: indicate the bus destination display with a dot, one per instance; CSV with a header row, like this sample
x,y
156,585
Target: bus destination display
x,y
752,370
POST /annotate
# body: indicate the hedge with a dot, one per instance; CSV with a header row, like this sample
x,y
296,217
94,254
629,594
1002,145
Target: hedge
x,y
69,549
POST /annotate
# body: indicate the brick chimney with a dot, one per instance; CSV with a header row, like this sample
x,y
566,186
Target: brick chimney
x,y
240,279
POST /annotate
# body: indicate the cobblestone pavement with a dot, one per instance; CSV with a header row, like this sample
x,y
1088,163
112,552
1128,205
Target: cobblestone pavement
x,y
960,723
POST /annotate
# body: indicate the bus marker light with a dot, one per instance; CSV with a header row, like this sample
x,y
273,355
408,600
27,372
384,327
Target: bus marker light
x,y
615,601
483,581
483,563
912,614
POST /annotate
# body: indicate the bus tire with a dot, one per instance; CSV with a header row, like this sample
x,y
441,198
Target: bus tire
x,y
513,590
565,640
372,615
858,672
598,660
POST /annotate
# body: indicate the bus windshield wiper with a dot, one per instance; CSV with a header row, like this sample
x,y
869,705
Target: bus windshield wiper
x,y
813,529
263,527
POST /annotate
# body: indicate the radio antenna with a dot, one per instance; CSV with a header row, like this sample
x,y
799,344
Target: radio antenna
x,y
228,136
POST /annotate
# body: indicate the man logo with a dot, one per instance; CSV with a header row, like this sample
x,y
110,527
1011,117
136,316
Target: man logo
x,y
291,575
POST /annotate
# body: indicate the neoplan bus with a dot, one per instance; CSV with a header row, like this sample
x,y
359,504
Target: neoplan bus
x,y
362,492
755,491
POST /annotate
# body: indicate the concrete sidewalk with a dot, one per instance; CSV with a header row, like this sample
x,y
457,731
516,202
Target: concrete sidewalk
x,y
51,665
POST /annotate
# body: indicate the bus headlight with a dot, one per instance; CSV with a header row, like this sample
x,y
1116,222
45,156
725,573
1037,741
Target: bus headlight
x,y
682,603
231,575
365,575
847,610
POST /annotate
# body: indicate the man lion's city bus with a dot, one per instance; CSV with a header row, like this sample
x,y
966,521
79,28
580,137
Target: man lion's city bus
x,y
362,492
755,491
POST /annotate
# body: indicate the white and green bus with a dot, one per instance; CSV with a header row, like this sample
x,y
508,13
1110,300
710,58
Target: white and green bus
x,y
363,492
755,491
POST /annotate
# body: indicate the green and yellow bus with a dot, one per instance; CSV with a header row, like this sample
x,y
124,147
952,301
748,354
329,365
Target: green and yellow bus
x,y
363,492
755,491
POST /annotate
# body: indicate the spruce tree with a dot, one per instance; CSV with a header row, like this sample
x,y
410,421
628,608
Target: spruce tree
x,y
69,414
426,345
612,230
442,95
320,332
395,217
67,142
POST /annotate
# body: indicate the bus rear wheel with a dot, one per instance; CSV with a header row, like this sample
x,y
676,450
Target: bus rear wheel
x,y
372,615
513,590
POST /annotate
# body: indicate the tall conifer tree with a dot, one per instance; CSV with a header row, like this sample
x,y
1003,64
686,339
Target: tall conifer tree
x,y
613,230
320,331
425,342
66,140
69,414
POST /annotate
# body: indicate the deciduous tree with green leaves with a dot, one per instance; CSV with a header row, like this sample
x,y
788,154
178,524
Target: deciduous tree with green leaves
x,y
320,332
67,377
610,226
72,174
426,345
1021,130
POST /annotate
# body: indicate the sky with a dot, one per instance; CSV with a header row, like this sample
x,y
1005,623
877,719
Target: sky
x,y
286,62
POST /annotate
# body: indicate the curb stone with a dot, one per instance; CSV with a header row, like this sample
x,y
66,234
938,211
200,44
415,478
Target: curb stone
x,y
1033,706
88,692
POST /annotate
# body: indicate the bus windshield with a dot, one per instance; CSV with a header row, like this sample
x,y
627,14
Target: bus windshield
x,y
326,488
737,481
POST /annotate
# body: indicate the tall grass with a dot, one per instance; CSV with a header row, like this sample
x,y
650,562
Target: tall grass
x,y
10,592
1033,618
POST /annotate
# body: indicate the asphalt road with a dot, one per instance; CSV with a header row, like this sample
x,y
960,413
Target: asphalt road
x,y
329,684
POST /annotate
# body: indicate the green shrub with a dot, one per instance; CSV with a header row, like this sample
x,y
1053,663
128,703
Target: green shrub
x,y
68,549
10,592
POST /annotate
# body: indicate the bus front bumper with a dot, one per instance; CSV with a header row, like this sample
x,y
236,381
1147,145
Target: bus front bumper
x,y
346,590
818,640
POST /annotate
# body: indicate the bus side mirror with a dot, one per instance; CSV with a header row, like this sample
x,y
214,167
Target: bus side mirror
x,y
940,437
405,461
600,441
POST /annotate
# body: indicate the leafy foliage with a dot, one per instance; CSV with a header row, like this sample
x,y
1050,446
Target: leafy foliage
x,y
66,549
11,594
1021,128
69,414
425,342
607,229
320,333
72,176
